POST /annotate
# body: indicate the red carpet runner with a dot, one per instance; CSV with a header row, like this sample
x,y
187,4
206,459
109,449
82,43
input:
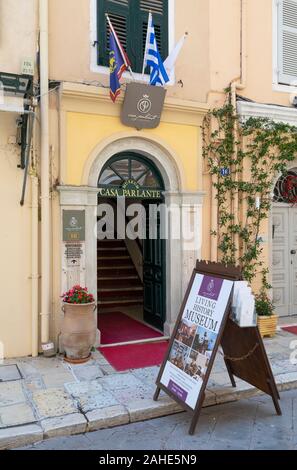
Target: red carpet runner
x,y
116,327
135,356
291,329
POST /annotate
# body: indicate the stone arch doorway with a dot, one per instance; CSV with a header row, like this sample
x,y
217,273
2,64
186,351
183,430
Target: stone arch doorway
x,y
284,244
131,247
181,253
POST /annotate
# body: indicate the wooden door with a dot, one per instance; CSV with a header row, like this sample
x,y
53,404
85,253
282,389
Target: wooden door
x,y
284,259
154,276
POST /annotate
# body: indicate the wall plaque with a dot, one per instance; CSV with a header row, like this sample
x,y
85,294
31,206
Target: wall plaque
x,y
143,106
74,226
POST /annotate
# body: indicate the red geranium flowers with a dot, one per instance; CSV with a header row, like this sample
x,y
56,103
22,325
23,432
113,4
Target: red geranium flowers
x,y
78,295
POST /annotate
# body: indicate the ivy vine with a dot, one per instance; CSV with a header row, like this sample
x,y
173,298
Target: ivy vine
x,y
245,157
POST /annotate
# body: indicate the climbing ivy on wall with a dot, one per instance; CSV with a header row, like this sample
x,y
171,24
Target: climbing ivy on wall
x,y
244,157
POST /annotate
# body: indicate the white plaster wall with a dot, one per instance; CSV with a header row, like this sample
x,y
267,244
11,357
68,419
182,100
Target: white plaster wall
x,y
18,33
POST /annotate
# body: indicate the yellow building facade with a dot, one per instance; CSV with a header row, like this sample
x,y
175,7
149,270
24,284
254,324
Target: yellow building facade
x,y
236,42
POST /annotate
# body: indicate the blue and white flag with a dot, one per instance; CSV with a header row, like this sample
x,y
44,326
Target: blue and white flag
x,y
152,57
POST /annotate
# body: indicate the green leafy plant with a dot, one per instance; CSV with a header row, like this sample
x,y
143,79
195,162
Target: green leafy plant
x,y
264,306
243,159
78,295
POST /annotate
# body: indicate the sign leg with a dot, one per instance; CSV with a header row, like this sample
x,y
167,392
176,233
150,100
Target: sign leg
x,y
157,394
196,416
228,366
275,397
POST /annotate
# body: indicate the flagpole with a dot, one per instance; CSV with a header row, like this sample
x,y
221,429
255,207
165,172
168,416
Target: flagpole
x,y
120,47
146,43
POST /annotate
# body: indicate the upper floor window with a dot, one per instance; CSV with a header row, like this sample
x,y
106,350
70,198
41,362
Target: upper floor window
x,y
129,19
287,42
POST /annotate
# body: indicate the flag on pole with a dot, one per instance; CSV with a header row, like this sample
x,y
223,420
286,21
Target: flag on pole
x,y
172,58
152,57
118,62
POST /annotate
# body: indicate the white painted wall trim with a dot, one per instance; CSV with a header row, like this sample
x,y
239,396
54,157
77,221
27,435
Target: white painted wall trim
x,y
277,113
93,37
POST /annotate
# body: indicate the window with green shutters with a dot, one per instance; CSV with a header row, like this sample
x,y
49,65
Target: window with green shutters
x,y
129,19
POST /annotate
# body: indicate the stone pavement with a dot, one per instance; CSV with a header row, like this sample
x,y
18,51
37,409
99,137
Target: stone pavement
x,y
250,424
52,398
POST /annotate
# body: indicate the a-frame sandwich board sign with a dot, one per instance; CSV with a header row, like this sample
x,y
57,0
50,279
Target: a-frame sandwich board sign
x,y
203,324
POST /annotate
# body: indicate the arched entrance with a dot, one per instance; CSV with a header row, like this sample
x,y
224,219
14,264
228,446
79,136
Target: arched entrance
x,y
284,244
131,249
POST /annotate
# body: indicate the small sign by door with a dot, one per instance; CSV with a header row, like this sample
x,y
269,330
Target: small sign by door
x,y
73,226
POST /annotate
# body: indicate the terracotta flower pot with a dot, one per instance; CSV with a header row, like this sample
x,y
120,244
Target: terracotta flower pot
x,y
267,325
78,331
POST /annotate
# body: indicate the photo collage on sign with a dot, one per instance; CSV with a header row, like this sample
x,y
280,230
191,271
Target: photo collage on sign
x,y
192,348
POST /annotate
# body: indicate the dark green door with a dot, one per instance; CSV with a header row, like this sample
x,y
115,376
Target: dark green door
x,y
136,177
154,276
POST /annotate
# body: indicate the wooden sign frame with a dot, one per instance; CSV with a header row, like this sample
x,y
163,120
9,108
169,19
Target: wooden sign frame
x,y
244,352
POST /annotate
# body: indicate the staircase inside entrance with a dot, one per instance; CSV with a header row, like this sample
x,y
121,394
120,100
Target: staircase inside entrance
x,y
119,284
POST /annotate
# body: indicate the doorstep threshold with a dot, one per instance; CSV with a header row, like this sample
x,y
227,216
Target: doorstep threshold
x,y
138,341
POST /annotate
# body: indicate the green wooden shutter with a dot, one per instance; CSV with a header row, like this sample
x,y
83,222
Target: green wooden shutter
x,y
129,18
118,11
159,9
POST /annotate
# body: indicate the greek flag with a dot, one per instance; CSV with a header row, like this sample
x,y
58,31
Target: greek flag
x,y
152,57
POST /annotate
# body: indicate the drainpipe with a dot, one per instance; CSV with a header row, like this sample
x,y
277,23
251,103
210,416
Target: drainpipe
x,y
35,276
214,219
45,185
34,243
239,84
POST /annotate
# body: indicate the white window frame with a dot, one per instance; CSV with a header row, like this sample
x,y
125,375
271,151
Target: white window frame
x,y
276,86
100,69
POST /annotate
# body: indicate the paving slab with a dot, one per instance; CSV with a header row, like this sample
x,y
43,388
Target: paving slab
x,y
91,396
87,373
76,389
33,383
16,415
11,393
9,373
12,438
73,442
271,438
120,382
107,417
148,375
65,425
56,379
53,403
140,410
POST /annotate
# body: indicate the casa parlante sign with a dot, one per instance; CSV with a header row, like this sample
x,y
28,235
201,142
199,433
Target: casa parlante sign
x,y
130,189
143,106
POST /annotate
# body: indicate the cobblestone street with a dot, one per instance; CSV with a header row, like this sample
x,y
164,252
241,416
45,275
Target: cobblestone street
x,y
244,425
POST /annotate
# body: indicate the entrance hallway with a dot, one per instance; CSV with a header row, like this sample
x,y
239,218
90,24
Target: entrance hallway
x,y
130,255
